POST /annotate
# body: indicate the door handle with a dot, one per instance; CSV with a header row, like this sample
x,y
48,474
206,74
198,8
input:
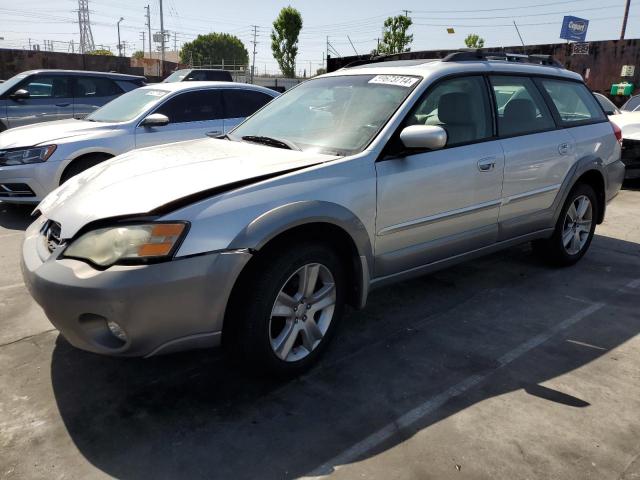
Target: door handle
x,y
214,133
62,104
563,148
487,164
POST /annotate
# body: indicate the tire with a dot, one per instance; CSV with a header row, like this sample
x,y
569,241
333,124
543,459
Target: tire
x,y
81,164
288,344
572,236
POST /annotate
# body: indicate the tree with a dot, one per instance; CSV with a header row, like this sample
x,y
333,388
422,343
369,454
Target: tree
x,y
395,38
284,39
138,54
321,71
101,51
474,41
214,49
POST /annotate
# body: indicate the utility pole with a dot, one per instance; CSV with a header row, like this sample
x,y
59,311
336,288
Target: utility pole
x,y
255,44
148,24
326,67
624,19
175,41
119,44
143,37
406,13
162,40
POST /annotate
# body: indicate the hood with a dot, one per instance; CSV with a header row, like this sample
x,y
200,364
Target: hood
x,y
49,132
629,123
142,181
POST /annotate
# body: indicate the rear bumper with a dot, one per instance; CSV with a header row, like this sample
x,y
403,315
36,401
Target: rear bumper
x,y
165,307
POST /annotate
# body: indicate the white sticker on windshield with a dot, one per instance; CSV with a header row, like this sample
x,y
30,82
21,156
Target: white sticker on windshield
x,y
156,93
397,80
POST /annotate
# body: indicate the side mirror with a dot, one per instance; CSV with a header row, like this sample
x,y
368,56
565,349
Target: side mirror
x,y
20,94
429,137
155,120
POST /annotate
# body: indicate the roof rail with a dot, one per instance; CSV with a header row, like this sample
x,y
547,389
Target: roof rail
x,y
392,57
476,54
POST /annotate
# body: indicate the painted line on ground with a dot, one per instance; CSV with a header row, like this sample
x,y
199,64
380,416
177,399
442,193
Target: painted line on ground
x,y
13,234
413,416
9,287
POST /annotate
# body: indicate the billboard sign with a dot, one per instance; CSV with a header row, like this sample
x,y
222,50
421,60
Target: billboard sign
x,y
574,28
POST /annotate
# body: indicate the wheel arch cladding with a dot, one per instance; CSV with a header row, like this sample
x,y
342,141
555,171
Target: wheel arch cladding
x,y
85,157
589,170
325,221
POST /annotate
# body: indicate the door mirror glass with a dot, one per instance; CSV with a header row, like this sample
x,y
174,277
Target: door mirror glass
x,y
429,137
155,120
20,94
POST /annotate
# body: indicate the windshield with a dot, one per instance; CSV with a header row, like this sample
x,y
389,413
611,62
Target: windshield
x,y
176,76
632,104
128,106
12,82
333,115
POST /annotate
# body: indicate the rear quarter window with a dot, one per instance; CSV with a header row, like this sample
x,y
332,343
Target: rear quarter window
x,y
574,103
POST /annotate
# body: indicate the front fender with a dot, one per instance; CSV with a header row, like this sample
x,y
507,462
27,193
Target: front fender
x,y
286,217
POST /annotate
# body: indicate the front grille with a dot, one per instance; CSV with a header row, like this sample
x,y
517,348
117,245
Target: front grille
x,y
13,190
51,234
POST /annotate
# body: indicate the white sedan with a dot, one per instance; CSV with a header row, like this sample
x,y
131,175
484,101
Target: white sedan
x,y
36,159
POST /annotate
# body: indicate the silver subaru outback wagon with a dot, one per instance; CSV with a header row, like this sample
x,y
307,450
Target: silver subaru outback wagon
x,y
348,182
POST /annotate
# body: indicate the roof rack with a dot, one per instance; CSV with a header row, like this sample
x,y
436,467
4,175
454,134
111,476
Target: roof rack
x,y
475,55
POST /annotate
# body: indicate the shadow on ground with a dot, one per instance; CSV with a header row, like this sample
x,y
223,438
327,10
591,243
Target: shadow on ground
x,y
191,415
15,217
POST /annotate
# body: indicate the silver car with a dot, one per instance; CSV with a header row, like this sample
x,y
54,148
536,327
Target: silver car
x,y
36,159
43,95
348,182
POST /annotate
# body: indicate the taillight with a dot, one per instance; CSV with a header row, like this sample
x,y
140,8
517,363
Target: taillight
x,y
617,132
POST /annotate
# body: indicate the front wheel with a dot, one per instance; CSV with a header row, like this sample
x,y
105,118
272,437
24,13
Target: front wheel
x,y
286,312
574,230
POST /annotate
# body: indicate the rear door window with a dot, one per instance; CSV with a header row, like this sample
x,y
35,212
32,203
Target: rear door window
x,y
242,103
197,106
573,101
520,108
93,87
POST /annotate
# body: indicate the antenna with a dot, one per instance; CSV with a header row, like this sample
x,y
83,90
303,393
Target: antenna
x,y
84,23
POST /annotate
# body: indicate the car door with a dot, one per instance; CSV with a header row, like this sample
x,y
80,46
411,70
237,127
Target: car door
x,y
192,114
538,154
49,99
436,204
240,103
90,93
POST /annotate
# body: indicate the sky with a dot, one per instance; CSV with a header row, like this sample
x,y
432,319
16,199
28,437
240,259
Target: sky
x,y
358,21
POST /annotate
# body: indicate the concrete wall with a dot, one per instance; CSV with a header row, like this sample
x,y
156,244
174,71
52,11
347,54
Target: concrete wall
x,y
601,67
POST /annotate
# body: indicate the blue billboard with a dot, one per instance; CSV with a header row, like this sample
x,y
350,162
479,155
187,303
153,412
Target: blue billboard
x,y
574,28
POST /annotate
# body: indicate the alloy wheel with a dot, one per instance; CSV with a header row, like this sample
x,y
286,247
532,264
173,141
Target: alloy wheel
x,y
302,312
577,225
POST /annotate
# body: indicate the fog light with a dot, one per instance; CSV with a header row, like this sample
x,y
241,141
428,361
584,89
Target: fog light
x,y
117,330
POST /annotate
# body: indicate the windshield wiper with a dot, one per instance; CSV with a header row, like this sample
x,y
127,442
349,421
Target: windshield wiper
x,y
272,142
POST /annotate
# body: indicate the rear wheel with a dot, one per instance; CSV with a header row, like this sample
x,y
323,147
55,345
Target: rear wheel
x,y
81,164
574,230
286,312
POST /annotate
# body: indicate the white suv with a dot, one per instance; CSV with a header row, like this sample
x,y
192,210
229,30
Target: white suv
x,y
345,183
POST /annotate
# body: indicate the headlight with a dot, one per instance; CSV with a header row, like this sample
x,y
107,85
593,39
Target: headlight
x,y
127,243
22,156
